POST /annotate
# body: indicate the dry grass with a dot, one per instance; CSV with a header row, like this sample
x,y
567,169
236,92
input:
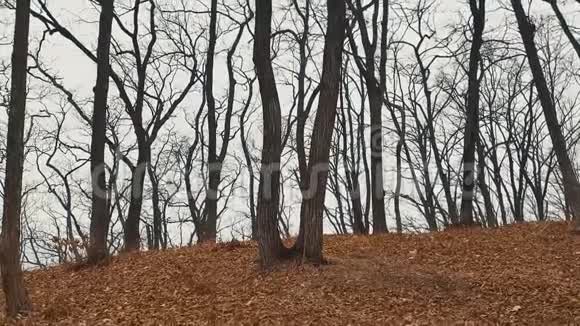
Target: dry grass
x,y
525,274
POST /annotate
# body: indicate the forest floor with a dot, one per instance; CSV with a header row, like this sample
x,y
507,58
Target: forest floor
x,y
523,274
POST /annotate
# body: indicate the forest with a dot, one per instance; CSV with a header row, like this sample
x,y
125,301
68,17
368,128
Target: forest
x,y
283,130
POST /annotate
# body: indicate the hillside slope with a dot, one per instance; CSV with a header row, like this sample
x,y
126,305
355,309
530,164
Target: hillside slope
x,y
525,274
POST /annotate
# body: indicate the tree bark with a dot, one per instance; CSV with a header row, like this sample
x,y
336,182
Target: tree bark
x,y
377,183
270,245
322,131
100,218
248,159
157,233
490,216
132,232
569,178
471,133
208,232
16,296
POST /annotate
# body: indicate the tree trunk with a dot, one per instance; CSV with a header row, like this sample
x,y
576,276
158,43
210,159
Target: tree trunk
x,y
208,232
471,133
322,131
491,219
132,232
270,246
156,232
100,219
378,191
16,296
397,195
248,159
569,178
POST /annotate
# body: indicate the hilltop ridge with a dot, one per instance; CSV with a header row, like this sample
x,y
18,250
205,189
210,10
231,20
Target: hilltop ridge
x,y
525,274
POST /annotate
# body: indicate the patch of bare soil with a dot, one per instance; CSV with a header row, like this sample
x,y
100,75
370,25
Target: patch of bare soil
x,y
523,274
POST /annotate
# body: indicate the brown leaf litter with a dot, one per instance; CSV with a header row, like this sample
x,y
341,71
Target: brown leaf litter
x,y
522,274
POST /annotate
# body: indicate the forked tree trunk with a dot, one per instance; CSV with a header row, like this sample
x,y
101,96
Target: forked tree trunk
x,y
322,131
472,111
16,297
100,218
270,245
569,178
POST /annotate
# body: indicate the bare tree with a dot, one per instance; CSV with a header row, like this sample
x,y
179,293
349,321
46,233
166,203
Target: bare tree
x,y
471,133
323,130
569,178
375,89
270,246
146,51
16,296
97,249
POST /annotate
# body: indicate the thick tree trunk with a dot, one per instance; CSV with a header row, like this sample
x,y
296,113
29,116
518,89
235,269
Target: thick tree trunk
x,y
270,246
569,178
208,231
322,131
377,183
132,232
16,296
383,90
471,133
100,218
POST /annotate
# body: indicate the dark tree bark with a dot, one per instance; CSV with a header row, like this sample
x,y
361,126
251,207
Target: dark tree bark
x,y
16,296
322,131
383,86
490,217
100,218
207,231
248,159
270,246
132,234
156,233
472,111
569,178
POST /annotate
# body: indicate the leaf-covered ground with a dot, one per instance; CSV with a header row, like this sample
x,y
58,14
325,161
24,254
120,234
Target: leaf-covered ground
x,y
525,274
